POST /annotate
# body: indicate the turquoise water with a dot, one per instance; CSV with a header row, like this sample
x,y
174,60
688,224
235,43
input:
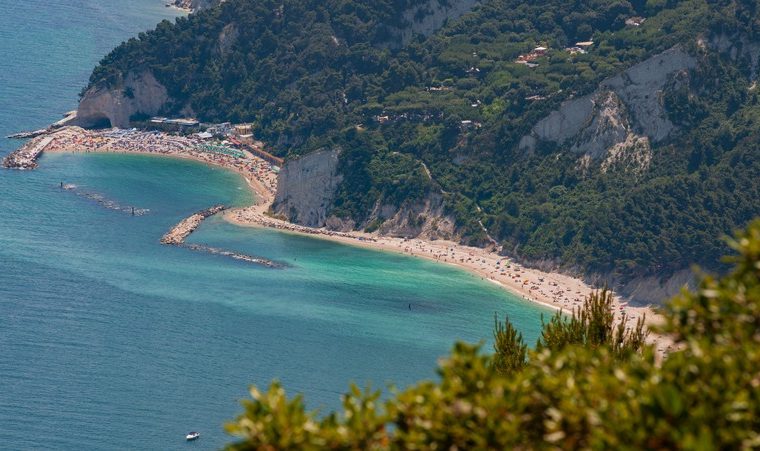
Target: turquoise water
x,y
109,340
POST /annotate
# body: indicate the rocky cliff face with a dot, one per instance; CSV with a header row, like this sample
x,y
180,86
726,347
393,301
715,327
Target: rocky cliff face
x,y
428,17
616,126
738,48
425,219
306,191
196,5
653,290
137,93
306,188
624,114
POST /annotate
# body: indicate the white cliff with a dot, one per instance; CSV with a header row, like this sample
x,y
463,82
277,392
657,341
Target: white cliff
x,y
137,93
626,110
306,188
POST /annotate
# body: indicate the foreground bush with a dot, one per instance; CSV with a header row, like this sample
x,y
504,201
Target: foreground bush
x,y
588,384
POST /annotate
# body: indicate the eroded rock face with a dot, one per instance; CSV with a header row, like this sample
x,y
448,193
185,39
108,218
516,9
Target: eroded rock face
x,y
566,122
625,109
640,89
654,290
738,47
137,93
428,17
424,219
306,188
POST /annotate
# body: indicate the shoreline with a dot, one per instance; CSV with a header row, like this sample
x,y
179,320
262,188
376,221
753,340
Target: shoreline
x,y
549,289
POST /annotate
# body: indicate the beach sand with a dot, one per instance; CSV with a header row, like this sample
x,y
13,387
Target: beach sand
x,y
551,289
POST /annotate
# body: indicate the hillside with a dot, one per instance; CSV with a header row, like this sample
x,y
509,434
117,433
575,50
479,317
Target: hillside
x,y
611,139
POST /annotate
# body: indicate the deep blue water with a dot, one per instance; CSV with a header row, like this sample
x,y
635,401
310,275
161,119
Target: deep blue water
x,y
109,340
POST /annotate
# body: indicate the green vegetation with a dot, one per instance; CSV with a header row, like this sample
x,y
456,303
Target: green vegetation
x,y
588,384
308,73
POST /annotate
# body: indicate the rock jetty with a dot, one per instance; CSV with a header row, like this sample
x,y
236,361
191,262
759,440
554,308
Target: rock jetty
x,y
27,135
179,233
26,156
235,255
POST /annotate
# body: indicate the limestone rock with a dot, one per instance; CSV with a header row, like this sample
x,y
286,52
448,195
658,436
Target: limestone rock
x,y
137,93
624,109
306,188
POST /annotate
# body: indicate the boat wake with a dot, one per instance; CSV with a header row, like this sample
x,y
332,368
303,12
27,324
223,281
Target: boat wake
x,y
103,201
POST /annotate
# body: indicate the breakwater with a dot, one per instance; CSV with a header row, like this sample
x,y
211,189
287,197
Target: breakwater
x,y
179,233
27,135
26,156
104,201
234,255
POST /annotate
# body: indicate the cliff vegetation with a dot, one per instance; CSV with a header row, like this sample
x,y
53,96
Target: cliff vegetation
x,y
613,138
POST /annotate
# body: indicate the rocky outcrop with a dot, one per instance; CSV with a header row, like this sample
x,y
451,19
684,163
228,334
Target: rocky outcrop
x,y
640,88
196,5
626,110
305,195
738,47
655,290
136,93
306,188
228,37
424,219
640,290
427,17
643,290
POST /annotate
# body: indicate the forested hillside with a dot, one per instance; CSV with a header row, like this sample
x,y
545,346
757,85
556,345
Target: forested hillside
x,y
625,195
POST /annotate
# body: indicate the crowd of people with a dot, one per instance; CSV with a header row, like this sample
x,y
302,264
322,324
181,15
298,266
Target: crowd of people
x,y
75,139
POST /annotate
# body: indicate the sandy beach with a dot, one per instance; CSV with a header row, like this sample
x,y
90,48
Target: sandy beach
x,y
554,290
551,289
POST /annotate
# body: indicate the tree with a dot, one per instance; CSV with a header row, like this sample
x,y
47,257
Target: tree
x,y
592,326
584,393
509,348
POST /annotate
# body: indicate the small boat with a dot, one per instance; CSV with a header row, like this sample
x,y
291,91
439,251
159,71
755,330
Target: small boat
x,y
192,436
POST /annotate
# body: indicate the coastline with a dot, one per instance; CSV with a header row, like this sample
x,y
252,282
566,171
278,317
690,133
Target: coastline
x,y
553,290
550,289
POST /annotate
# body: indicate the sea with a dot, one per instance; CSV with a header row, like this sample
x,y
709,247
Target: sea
x,y
109,340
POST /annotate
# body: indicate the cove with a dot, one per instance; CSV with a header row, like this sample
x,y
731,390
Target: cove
x,y
109,340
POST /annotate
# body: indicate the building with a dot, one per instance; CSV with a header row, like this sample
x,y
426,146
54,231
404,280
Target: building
x,y
635,21
246,139
243,129
182,122
223,129
575,50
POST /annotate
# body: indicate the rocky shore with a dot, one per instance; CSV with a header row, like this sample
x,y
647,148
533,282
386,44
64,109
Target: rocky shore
x,y
26,156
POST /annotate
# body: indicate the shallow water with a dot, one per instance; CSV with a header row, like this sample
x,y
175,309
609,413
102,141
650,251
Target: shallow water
x,y
109,340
